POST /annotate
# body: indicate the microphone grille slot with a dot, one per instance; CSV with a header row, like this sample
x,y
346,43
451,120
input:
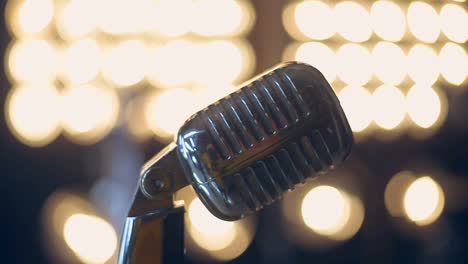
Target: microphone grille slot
x,y
266,180
257,111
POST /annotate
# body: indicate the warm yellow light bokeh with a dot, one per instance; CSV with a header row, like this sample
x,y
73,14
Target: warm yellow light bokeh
x,y
423,65
91,238
354,64
356,102
389,107
423,21
173,17
454,21
319,56
32,114
424,201
315,20
388,20
424,106
389,63
32,60
453,62
208,231
127,63
89,112
70,22
395,190
165,112
81,61
220,18
31,16
353,21
126,17
325,209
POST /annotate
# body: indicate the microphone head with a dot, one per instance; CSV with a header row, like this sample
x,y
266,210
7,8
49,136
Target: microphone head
x,y
244,151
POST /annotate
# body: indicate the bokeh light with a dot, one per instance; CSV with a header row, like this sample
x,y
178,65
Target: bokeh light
x,y
453,62
453,19
89,112
81,61
221,18
165,112
314,19
424,201
91,238
423,21
356,102
389,106
424,106
124,17
318,55
171,64
423,65
325,210
32,114
173,17
389,63
127,63
353,21
32,60
209,232
354,64
70,22
222,61
395,190
30,17
388,20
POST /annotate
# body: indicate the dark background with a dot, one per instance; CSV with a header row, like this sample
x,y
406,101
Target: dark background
x,y
28,175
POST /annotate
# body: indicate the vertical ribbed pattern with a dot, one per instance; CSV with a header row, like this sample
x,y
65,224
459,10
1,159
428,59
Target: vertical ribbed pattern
x,y
247,116
266,180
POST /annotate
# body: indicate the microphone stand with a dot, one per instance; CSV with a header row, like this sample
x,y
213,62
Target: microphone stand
x,y
154,228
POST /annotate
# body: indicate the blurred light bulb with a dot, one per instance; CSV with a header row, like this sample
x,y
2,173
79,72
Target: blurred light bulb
x,y
453,20
389,63
319,56
453,63
32,16
356,103
32,113
325,210
423,65
81,61
89,112
171,64
70,22
424,106
315,20
167,111
32,61
222,61
219,18
126,64
388,20
424,201
423,22
353,21
120,17
173,17
389,107
354,64
394,192
91,238
208,231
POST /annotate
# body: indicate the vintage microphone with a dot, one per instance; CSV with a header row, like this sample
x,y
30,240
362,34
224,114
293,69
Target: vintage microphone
x,y
240,154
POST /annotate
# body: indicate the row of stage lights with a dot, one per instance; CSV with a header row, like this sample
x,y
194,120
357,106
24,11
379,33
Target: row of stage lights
x,y
70,221
156,19
391,80
159,52
354,22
